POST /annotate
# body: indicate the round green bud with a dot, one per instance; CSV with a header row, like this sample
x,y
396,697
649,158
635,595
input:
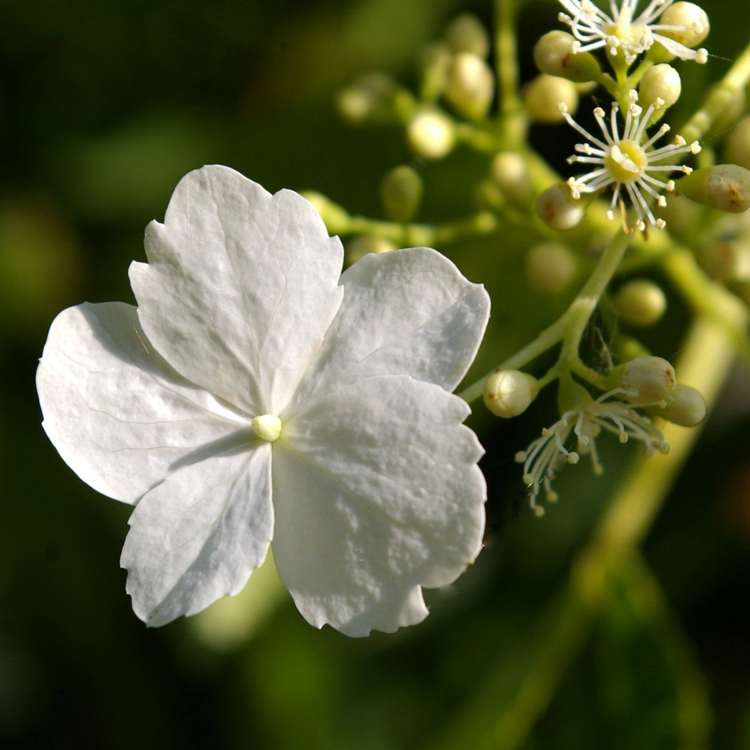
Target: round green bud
x,y
686,407
433,65
645,380
370,99
467,34
554,55
511,175
401,192
550,267
335,217
470,86
641,303
659,82
725,187
692,20
558,209
544,95
431,134
358,247
508,393
732,109
737,144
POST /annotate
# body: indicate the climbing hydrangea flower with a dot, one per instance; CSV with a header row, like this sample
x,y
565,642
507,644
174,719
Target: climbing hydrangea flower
x,y
620,32
627,161
253,396
546,455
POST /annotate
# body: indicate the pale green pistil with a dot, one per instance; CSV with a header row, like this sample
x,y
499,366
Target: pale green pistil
x,y
267,427
626,161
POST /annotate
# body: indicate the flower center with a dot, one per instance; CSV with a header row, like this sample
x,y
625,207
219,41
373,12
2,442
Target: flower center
x,y
267,427
626,161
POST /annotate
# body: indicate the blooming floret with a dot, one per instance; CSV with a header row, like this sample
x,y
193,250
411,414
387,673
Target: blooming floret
x,y
628,161
547,455
254,395
621,33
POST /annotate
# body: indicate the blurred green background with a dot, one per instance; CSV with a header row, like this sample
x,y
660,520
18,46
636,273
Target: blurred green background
x,y
103,107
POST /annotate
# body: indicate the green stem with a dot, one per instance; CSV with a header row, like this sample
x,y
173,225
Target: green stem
x,y
570,326
719,98
506,58
709,298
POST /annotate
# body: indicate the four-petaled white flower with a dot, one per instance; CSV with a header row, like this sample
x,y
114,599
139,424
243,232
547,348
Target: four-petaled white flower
x,y
253,396
546,455
594,29
628,161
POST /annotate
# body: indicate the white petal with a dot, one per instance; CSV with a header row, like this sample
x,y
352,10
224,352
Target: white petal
x,y
408,312
240,287
199,534
376,493
119,416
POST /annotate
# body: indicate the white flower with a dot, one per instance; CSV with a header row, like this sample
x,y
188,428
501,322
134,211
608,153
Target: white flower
x,y
628,161
546,455
594,29
253,396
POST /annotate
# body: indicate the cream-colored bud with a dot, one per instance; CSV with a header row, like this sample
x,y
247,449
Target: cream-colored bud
x,y
267,427
686,407
641,303
550,267
725,187
358,247
431,134
369,99
544,95
401,192
692,20
471,85
433,65
659,82
335,217
646,380
554,54
737,144
558,209
508,393
466,33
511,175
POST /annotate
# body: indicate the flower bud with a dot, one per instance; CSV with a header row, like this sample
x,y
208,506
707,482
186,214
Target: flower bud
x,y
433,65
470,86
370,99
725,187
737,144
358,247
646,380
554,55
659,82
544,94
401,193
550,267
719,259
508,393
686,407
431,134
467,34
511,175
641,303
558,209
692,19
334,216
